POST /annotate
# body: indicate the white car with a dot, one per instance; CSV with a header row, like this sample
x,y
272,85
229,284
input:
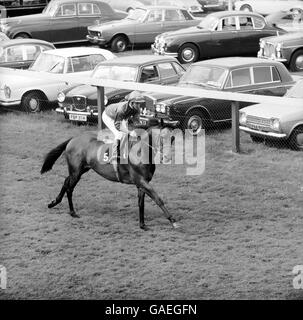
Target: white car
x,y
266,7
32,90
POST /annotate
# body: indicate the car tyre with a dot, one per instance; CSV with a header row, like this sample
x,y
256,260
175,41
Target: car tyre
x,y
195,122
22,35
256,139
188,53
119,44
296,139
296,61
32,102
246,7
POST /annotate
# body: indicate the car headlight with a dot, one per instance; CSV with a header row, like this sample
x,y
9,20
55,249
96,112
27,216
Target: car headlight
x,y
61,97
279,46
160,107
275,124
7,91
243,117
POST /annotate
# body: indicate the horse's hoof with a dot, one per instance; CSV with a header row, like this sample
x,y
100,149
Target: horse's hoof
x,y
144,227
51,204
74,215
176,225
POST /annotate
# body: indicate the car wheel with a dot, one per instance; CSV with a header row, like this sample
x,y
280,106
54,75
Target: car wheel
x,y
256,139
296,61
119,44
246,7
22,36
32,102
296,139
188,53
195,122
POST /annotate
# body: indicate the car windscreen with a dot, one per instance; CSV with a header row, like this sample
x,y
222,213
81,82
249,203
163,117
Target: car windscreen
x,y
50,9
137,14
207,76
296,91
46,62
209,23
122,73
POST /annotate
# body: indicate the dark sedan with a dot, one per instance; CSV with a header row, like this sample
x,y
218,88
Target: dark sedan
x,y
79,103
220,34
20,53
237,74
61,21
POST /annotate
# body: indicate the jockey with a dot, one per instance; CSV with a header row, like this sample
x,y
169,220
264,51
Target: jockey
x,y
116,117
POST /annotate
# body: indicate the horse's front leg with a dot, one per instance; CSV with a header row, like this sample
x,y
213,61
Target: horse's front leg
x,y
141,196
149,190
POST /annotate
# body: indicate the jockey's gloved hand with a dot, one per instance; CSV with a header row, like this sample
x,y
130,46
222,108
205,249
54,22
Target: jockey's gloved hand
x,y
133,134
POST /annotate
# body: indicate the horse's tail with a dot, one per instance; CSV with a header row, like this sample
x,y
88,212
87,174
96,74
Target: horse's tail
x,y
53,156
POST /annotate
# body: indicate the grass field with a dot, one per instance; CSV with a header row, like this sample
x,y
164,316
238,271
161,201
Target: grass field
x,y
242,223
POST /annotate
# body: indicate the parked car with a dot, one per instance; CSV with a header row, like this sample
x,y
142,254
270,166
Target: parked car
x,y
141,26
62,21
3,37
266,7
289,20
22,7
32,90
278,122
20,53
220,34
79,103
214,5
126,6
236,74
287,49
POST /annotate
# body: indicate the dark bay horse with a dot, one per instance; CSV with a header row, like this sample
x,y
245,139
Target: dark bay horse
x,y
83,153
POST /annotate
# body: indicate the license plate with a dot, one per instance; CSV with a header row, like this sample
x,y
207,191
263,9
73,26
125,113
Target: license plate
x,y
77,117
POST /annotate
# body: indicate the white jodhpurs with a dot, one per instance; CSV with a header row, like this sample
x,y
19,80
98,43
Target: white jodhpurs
x,y
110,123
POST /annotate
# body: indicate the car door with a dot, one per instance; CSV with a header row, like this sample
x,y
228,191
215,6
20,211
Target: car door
x,y
65,24
173,20
150,27
250,32
267,81
169,74
225,40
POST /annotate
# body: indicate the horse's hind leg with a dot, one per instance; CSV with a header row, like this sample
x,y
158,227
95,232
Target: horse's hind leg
x,y
141,196
149,190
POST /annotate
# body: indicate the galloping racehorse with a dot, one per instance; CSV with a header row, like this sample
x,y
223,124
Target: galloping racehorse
x,y
83,153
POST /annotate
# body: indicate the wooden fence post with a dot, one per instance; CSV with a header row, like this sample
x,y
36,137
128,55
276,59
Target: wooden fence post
x,y
100,102
235,127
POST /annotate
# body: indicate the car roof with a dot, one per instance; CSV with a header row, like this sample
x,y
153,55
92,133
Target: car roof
x,y
11,42
236,62
75,51
136,60
150,7
221,14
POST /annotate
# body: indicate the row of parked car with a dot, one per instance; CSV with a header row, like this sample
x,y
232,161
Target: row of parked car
x,y
222,33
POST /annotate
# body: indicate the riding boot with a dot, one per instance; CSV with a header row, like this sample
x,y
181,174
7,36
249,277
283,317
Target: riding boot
x,y
115,158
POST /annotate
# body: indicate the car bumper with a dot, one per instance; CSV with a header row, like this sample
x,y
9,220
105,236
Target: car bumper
x,y
6,103
77,115
264,133
146,120
96,40
260,55
163,53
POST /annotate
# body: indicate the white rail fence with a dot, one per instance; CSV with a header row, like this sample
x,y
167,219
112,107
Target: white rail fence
x,y
235,98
